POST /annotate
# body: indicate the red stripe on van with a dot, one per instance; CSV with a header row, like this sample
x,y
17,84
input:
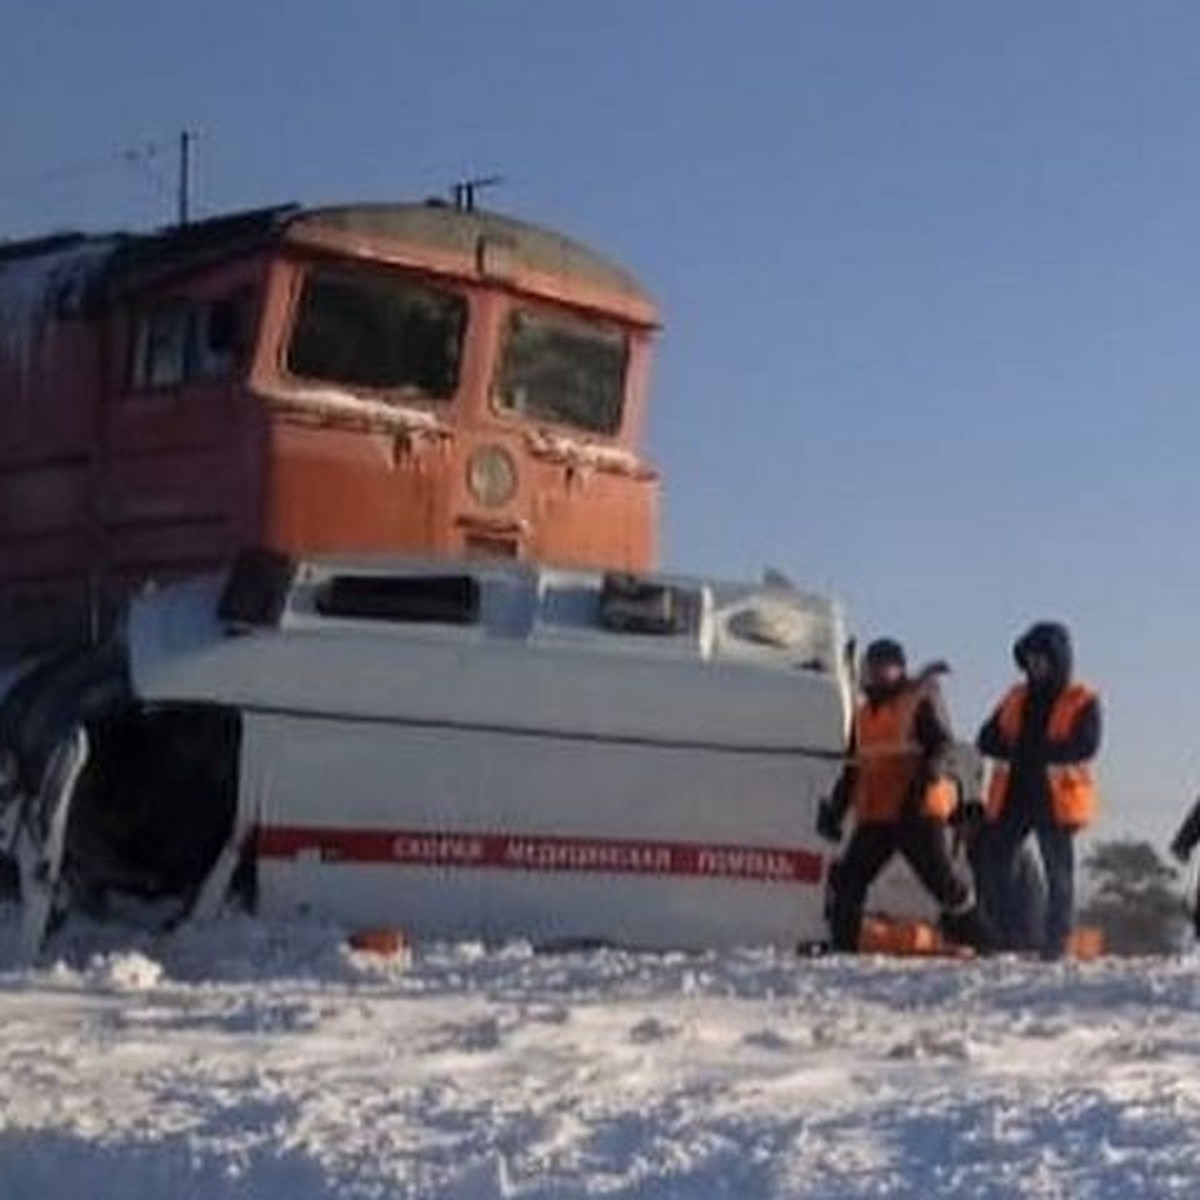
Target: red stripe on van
x,y
505,851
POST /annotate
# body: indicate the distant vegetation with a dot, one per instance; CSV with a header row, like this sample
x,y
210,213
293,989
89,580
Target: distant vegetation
x,y
1135,897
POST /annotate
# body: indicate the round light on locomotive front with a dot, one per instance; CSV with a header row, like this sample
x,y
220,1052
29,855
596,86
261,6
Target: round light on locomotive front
x,y
492,476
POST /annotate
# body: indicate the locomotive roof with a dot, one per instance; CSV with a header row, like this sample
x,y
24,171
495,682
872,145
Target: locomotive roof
x,y
69,273
458,232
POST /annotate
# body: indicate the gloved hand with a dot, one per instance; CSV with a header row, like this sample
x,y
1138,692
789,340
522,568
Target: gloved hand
x,y
829,821
971,814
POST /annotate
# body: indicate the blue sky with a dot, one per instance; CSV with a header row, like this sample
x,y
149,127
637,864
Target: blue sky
x,y
930,272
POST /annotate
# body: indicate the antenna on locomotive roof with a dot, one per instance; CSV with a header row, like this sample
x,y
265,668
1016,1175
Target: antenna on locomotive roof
x,y
463,192
187,140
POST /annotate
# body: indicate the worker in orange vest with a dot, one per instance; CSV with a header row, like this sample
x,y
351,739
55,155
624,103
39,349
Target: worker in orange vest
x,y
1041,739
895,784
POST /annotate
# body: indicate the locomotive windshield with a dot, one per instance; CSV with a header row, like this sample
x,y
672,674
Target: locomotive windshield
x,y
564,370
377,331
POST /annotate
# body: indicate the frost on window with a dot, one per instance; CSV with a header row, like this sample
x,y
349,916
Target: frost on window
x,y
564,370
378,331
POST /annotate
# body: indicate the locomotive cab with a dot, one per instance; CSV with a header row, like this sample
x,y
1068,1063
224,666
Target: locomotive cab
x,y
370,379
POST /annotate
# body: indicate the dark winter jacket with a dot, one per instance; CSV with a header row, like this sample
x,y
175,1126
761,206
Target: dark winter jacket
x,y
1029,788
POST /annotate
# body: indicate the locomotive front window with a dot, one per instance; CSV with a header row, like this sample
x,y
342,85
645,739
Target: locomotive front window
x,y
563,370
377,331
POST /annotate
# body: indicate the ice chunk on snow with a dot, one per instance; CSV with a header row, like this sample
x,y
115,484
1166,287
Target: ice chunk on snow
x,y
124,972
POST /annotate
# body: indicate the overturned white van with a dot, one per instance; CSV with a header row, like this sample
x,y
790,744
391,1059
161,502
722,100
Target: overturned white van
x,y
455,749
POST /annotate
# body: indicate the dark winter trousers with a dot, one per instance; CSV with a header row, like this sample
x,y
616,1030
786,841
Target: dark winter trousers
x,y
922,842
1003,890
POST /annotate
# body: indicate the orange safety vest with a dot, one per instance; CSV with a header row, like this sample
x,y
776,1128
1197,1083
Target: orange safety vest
x,y
888,757
1072,789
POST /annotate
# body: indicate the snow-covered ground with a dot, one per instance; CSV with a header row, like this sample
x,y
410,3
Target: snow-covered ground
x,y
248,1060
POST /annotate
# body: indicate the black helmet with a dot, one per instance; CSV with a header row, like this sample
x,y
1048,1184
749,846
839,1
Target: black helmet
x,y
883,651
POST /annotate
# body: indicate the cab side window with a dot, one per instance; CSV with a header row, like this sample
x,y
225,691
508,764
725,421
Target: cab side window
x,y
217,338
160,346
179,341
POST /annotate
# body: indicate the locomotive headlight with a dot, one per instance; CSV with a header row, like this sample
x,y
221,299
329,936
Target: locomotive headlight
x,y
492,476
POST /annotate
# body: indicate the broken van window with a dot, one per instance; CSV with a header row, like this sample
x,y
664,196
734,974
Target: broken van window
x,y
564,370
632,605
379,331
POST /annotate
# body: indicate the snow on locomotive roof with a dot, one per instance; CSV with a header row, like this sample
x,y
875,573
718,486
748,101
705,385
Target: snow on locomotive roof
x,y
71,274
57,278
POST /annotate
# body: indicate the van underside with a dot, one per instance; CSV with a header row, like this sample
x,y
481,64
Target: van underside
x,y
155,806
135,825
